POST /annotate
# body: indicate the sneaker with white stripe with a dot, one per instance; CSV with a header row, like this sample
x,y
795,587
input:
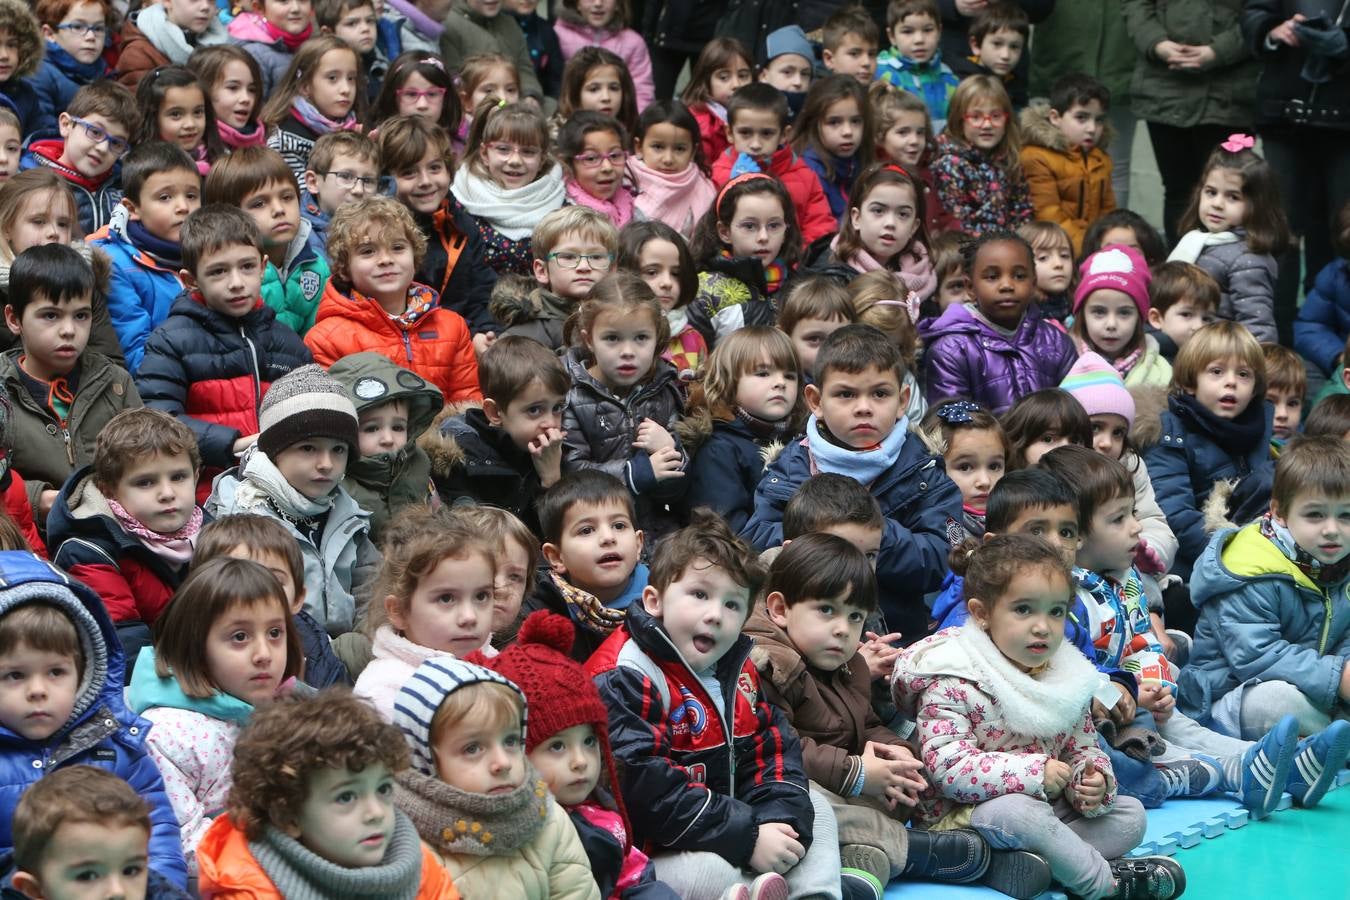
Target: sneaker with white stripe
x,y
1265,768
1316,761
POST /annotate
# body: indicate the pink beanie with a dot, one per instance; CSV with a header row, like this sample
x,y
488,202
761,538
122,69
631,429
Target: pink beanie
x,y
1116,268
1097,385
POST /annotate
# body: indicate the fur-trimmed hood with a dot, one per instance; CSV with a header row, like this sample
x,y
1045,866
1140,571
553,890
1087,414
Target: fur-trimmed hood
x,y
440,446
1039,131
1149,403
18,19
517,299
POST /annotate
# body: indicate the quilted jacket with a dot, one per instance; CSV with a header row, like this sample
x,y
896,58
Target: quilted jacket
x,y
1324,318
1068,187
1246,285
473,460
814,218
140,294
976,190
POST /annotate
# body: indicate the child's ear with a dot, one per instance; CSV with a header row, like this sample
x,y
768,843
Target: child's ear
x,y
723,233
188,279
974,45
394,612
979,613
299,603
25,882
493,411
988,535
786,135
812,395
63,123
48,33
553,556
640,539
1155,318
311,181
131,208
540,268
905,391
1055,119
827,59
12,320
651,601
1345,377
777,606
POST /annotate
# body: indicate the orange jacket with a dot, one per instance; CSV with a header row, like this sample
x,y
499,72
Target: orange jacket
x,y
1068,187
437,346
228,871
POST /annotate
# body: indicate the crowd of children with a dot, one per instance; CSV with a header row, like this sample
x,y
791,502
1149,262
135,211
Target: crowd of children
x,y
438,463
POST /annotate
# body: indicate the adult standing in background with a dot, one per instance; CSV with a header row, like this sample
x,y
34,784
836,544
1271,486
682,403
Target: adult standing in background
x,y
676,31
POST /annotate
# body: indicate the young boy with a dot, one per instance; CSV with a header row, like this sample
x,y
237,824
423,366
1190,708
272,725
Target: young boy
x,y
61,395
95,129
162,34
858,401
62,703
1064,155
789,63
1286,386
211,360
849,41
293,474
913,62
815,308
162,188
258,181
757,126
19,58
343,166
1182,299
126,525
75,32
357,23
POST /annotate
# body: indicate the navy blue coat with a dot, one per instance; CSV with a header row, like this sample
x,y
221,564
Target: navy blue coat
x,y
725,472
58,77
1323,321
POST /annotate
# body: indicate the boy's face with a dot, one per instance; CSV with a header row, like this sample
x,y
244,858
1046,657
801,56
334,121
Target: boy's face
x,y
860,409
598,550
955,288
1057,525
246,650
854,56
191,15
1112,537
1225,387
1318,523
450,610
574,283
84,38
1181,320
1288,412
865,537
570,762
481,758
54,334
81,152
532,413
348,817
1054,268
229,279
789,72
916,37
11,148
275,209
280,569
348,178
37,691
1081,124
423,187
702,611
291,16
357,27
755,132
382,267
999,51
158,491
383,428
314,467
91,861
165,202
508,584
807,336
825,632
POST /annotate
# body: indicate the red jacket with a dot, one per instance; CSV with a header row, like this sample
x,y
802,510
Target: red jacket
x,y
808,198
712,131
20,509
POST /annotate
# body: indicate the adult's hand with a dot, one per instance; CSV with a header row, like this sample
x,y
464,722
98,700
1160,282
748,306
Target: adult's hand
x,y
1284,33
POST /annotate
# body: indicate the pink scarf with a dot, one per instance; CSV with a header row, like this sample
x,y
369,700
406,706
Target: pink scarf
x,y
678,199
234,138
175,548
915,274
199,157
291,41
618,210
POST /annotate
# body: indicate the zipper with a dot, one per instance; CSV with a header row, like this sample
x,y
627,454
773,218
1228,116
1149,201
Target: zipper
x,y
407,345
70,451
257,372
1326,624
728,724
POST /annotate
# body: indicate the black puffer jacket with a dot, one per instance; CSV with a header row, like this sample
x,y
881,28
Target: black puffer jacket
x,y
471,461
466,284
1283,95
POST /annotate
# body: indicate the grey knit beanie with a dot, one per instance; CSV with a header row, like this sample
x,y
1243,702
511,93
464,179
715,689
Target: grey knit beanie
x,y
305,403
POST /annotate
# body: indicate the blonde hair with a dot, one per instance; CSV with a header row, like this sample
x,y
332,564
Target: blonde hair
x,y
579,220
888,102
714,396
487,703
971,91
366,218
879,300
1221,339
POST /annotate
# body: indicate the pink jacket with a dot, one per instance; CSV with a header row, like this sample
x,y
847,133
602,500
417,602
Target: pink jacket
x,y
394,660
626,44
193,752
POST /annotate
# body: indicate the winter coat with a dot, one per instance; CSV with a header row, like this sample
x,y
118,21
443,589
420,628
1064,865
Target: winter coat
x,y
456,266
526,309
140,294
1261,619
318,221
836,186
1087,36
683,25
150,40
731,294
1283,96
323,667
20,96
394,660
987,728
614,861
295,289
814,218
1221,93
473,459
102,335
1154,529
1068,187
954,39
712,130
545,51
1323,321
294,140
625,43
727,467
921,508
14,495
271,54
966,357
95,201
699,789
468,33
933,81
1150,370
58,77
436,345
1246,285
137,56
977,190
101,731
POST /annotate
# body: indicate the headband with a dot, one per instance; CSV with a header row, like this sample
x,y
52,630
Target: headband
x,y
739,179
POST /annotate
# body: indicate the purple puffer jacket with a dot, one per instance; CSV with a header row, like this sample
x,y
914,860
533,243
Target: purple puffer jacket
x,y
967,358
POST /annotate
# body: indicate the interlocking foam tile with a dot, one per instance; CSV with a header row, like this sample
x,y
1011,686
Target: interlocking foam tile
x,y
924,890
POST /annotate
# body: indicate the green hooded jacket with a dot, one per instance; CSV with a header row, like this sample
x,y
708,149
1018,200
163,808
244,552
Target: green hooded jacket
x,y
1087,36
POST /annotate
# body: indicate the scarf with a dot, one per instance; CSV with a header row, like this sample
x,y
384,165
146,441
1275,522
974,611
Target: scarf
x,y
586,610
174,548
1321,574
263,485
1194,243
863,466
460,823
914,271
764,430
1238,436
716,109
234,138
1124,364
678,199
420,21
292,42
199,157
167,254
72,68
167,38
309,115
774,273
618,210
512,212
301,874
687,348
421,300
972,521
1007,333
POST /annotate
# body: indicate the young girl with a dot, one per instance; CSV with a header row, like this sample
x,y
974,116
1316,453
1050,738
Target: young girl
x,y
721,68
272,34
483,77
323,90
508,181
592,148
748,401
11,144
903,133
1128,228
660,257
976,166
995,349
1234,228
1041,421
816,307
597,80
745,247
233,83
227,647
668,171
1054,267
878,300
417,84
516,552
1003,711
583,24
884,231
974,451
1110,310
174,109
833,135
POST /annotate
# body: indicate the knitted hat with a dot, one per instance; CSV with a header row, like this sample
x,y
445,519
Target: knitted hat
x,y
305,403
1097,385
424,692
788,39
1116,268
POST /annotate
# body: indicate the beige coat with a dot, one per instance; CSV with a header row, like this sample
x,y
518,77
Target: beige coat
x,y
553,866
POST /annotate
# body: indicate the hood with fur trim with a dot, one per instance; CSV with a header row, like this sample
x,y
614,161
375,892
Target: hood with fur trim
x,y
1039,131
1149,403
18,19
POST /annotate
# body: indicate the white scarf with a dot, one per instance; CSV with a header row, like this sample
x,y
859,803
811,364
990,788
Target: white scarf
x,y
169,39
512,212
262,481
1194,243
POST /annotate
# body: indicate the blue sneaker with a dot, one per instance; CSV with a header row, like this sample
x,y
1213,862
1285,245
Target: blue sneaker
x,y
1265,768
1316,761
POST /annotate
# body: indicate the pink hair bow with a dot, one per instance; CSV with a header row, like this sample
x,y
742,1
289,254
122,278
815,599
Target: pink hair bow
x,y
1238,142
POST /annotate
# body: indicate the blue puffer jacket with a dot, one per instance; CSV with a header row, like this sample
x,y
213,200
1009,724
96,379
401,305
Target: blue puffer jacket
x,y
58,77
101,731
725,472
140,294
1323,321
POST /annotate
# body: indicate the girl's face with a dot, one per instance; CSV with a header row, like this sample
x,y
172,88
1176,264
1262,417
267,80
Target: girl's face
x,y
841,128
423,187
1054,268
622,345
291,16
975,461
382,267
1223,205
1108,434
419,97
758,228
481,758
451,608
666,147
569,761
602,91
596,13
1111,322
1003,281
659,266
1026,624
906,138
84,37
246,649
955,288
332,88
44,218
886,220
1043,444
725,81
499,83
1121,235
234,95
984,125
508,584
767,391
598,168
182,117
11,148
512,165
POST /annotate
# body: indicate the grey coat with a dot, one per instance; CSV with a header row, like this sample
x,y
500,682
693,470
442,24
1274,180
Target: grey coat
x,y
1247,285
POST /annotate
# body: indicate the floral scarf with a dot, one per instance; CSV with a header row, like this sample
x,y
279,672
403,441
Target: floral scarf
x,y
174,548
421,300
315,121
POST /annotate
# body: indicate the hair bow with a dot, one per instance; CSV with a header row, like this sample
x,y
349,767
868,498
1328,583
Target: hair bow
x,y
958,412
1238,142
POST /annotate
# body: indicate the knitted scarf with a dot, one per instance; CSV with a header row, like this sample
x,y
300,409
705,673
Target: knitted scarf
x,y
175,547
234,138
80,73
262,485
915,272
512,212
586,610
1321,574
774,273
618,209
764,430
864,466
1194,243
168,254
301,874
309,115
679,199
458,822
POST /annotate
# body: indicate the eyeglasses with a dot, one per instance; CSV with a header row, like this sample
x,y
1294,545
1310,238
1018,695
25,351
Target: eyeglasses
x,y
751,228
987,118
593,160
412,96
350,180
506,151
568,260
84,28
98,134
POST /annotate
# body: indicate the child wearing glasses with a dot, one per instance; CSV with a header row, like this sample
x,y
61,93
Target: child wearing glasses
x,y
418,84
343,166
976,167
594,150
75,32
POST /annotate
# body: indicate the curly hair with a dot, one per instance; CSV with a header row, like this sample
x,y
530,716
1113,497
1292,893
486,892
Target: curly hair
x,y
370,218
18,19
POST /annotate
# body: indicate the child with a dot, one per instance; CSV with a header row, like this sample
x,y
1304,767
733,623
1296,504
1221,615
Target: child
x,y
162,34
174,109
94,130
998,347
1321,328
1037,755
404,25
1183,298
61,395
997,35
372,302
881,302
484,77
258,181
913,62
211,360
163,187
722,68
816,307
1340,384
1330,417
976,167
833,136
322,91
885,232
1054,267
475,26
1110,306
669,171
1234,228
542,40
605,24
232,80
23,53
788,63
516,552
312,803
419,85
657,254
356,22
974,452
597,80
64,666
849,43
394,406
948,253
1127,227
1067,168
591,149
75,34
126,525
757,126
747,405
507,181
293,473
224,647
1041,421
11,144
272,34
465,726
1286,387
855,430
343,166
903,131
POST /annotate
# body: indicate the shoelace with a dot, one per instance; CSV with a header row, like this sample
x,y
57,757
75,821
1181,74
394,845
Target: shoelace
x,y
1187,779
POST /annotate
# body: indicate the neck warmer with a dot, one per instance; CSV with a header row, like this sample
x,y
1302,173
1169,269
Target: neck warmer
x,y
679,199
1124,364
48,153
292,42
764,430
586,610
1238,435
774,273
262,485
914,271
301,874
309,115
234,138
973,522
512,212
1319,573
175,547
864,466
423,23
618,209
168,254
718,110
1194,243
464,824
83,73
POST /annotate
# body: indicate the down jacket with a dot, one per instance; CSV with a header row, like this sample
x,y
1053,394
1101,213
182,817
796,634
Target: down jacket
x,y
57,79
814,218
1323,321
1246,285
140,294
101,731
454,265
471,459
1068,187
727,467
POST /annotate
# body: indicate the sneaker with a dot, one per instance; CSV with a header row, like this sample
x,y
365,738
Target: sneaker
x,y
769,886
736,892
1198,776
1316,761
1147,878
1017,873
1265,768
859,884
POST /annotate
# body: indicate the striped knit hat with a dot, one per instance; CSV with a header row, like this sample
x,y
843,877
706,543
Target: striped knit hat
x,y
424,692
1097,385
305,403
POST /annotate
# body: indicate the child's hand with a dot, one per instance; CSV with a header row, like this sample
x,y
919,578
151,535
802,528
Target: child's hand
x,y
891,774
776,848
1148,560
1284,33
244,443
1124,711
652,437
482,341
667,464
546,454
878,653
1157,699
1090,790
1056,777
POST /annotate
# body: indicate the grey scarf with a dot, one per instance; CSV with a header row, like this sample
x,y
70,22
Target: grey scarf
x,y
461,823
301,874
